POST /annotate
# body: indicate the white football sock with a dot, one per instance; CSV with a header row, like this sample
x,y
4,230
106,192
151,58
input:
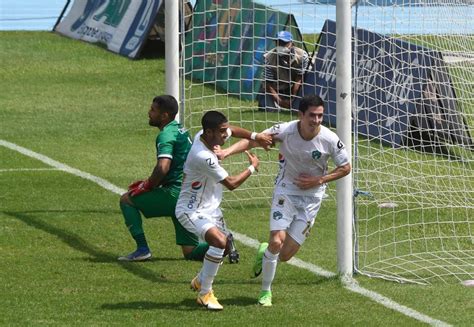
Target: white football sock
x,y
269,265
211,263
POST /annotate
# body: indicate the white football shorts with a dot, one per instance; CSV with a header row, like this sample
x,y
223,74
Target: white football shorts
x,y
199,223
294,214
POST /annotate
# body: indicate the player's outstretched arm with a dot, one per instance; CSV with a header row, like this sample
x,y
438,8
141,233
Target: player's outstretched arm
x,y
239,147
232,182
265,140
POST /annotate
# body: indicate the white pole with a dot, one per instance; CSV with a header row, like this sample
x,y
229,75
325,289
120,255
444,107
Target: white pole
x,y
343,122
172,48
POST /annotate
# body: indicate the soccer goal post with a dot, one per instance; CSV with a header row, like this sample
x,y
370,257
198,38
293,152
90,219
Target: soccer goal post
x,y
409,88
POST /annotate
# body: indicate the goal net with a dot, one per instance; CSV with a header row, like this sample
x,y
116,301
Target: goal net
x,y
414,177
413,116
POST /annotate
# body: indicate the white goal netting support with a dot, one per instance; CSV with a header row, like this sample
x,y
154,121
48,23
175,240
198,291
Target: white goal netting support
x,y
413,116
414,159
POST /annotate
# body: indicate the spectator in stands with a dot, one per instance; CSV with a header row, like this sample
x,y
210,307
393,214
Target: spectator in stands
x,y
285,66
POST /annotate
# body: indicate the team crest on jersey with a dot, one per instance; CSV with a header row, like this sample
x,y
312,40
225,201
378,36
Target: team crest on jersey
x,y
316,154
196,185
275,128
277,215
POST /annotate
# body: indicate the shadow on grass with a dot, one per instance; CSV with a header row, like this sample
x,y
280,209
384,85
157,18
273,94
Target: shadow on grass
x,y
185,305
79,244
310,280
113,259
240,301
153,49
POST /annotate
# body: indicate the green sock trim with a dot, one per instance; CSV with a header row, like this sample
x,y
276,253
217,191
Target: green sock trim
x,y
198,253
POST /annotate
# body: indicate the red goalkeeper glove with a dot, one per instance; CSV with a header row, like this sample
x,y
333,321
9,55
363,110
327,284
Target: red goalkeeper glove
x,y
134,185
143,187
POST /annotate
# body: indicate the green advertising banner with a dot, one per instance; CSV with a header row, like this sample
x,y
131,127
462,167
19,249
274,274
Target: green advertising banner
x,y
227,41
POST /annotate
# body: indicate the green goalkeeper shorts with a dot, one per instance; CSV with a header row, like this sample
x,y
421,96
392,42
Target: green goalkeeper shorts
x,y
161,202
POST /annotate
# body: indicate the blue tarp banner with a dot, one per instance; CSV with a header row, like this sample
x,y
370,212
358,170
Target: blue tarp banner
x,y
391,78
122,25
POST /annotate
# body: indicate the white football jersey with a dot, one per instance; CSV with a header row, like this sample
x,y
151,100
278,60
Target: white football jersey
x,y
298,156
201,190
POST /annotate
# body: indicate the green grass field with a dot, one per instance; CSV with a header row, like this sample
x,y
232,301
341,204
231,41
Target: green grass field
x,y
61,234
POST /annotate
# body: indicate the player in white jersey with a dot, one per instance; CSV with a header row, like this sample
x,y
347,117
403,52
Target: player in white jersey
x,y
305,148
198,207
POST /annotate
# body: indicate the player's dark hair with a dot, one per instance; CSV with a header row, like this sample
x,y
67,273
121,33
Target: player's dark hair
x,y
212,120
310,101
167,103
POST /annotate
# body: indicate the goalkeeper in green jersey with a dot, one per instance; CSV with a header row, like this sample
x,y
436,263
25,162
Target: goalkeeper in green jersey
x,y
157,195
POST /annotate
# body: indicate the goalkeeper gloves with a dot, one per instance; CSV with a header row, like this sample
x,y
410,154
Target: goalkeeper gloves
x,y
134,185
142,187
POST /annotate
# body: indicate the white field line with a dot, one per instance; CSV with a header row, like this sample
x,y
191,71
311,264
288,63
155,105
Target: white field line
x,y
60,166
350,284
26,169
